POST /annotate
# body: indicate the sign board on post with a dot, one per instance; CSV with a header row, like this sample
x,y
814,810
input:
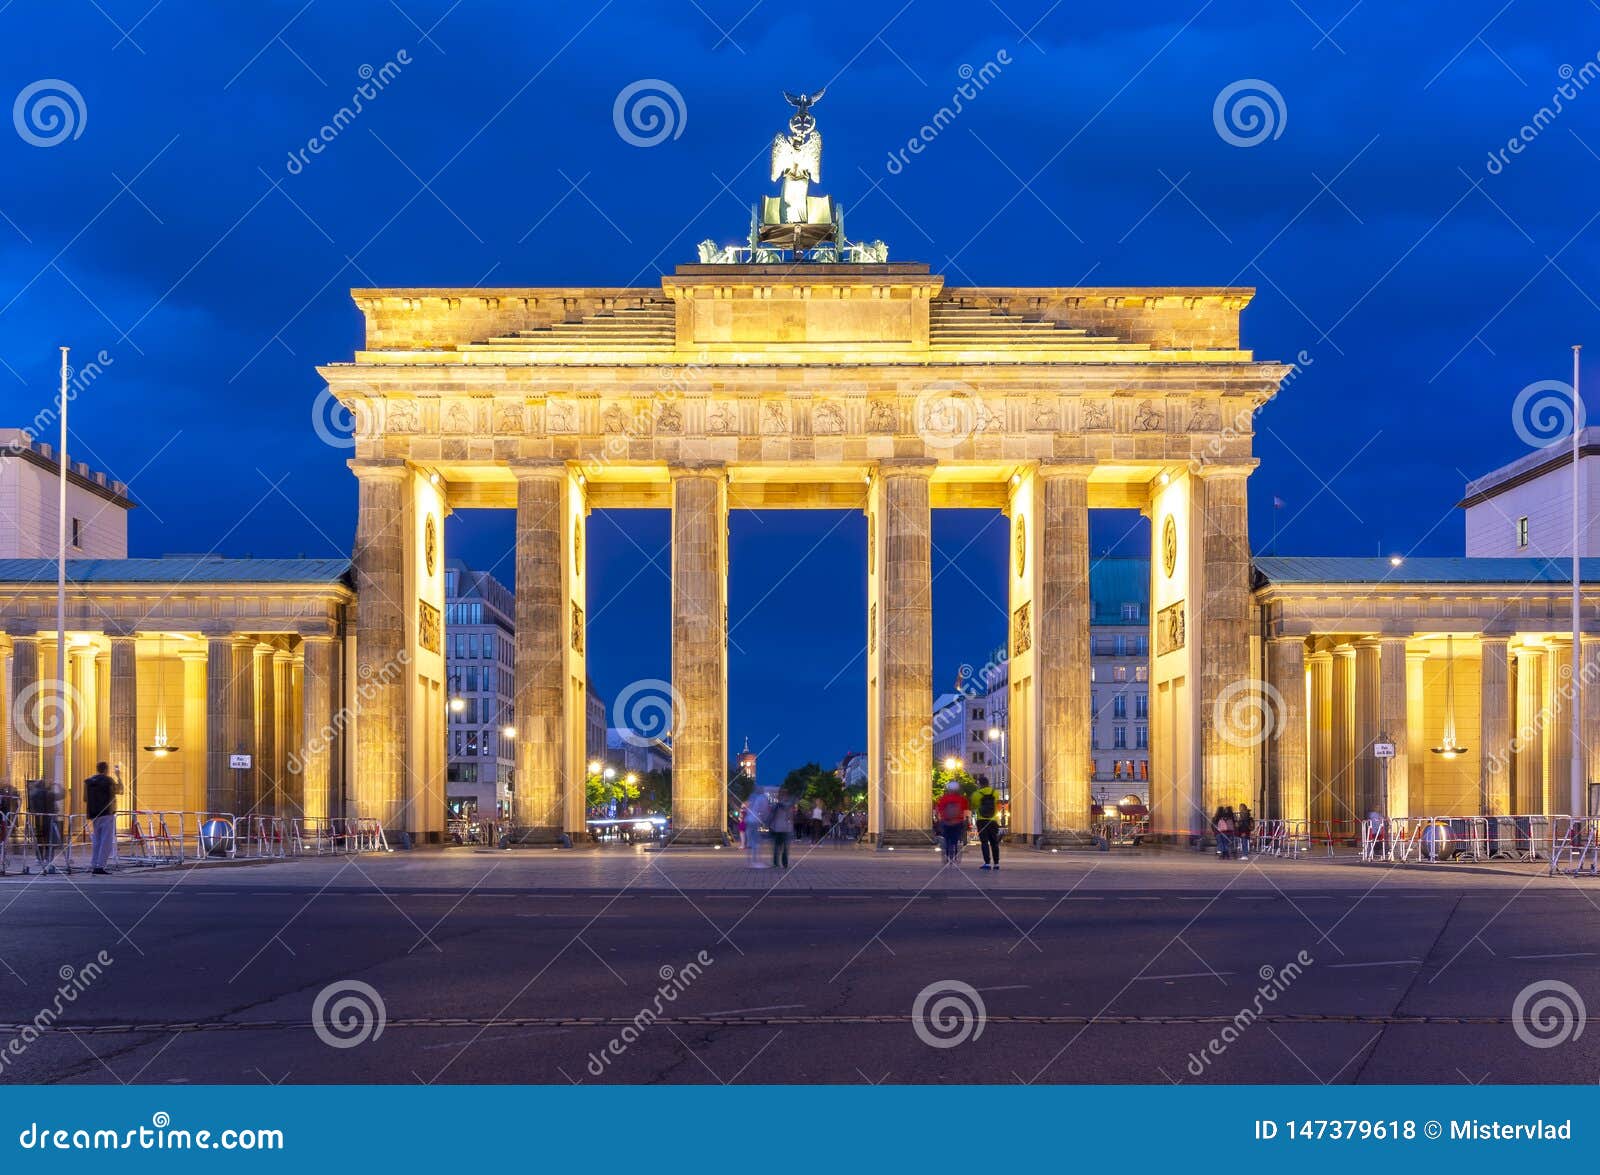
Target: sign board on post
x,y
1383,750
242,761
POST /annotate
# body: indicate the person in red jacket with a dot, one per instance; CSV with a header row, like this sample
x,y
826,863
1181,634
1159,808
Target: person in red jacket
x,y
951,812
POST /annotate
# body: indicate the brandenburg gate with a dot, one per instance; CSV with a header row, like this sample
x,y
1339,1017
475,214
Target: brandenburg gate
x,y
803,372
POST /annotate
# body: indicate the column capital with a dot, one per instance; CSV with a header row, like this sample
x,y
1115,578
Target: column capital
x,y
904,467
678,469
1079,470
1210,470
22,631
187,655
523,468
317,638
378,467
1285,639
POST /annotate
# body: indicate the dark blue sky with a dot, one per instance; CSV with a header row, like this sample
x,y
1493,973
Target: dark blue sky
x,y
1424,290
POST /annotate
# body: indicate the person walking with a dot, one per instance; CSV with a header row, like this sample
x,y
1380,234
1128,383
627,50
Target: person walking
x,y
951,814
1222,825
819,822
758,812
100,798
781,822
1246,826
986,812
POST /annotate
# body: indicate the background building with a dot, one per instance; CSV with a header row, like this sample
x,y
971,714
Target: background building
x,y
1525,508
481,681
960,725
627,751
30,485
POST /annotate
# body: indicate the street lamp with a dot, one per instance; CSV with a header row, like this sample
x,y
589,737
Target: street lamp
x,y
594,767
509,730
952,763
457,702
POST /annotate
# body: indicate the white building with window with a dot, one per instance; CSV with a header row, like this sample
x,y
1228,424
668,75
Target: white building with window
x,y
30,490
1525,508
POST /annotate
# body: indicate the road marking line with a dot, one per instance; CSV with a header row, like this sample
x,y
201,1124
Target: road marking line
x,y
1187,975
1382,963
1572,955
742,1011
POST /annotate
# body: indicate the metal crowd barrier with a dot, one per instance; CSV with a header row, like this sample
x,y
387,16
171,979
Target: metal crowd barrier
x,y
41,842
1574,844
1403,839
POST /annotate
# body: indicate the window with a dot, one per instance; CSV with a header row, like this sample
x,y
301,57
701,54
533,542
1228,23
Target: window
x,y
1141,736
1141,646
1119,737
1119,706
977,713
1120,673
77,532
473,645
1144,768
1141,706
1122,645
1103,646
488,645
1141,673
1130,611
1522,532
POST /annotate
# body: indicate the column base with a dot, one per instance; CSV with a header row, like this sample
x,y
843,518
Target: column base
x,y
1070,839
906,838
537,838
695,838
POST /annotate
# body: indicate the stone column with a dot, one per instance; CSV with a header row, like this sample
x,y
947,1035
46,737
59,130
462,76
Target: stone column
x,y
1416,734
1494,737
124,749
1063,655
193,746
85,745
242,721
1320,807
381,609
1286,764
543,723
1394,723
25,687
1228,760
1589,716
1342,730
1558,741
287,690
319,737
6,737
1528,766
222,794
699,654
1368,684
266,767
906,664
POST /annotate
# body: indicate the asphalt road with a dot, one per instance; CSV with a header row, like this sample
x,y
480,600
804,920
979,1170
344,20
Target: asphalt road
x,y
484,981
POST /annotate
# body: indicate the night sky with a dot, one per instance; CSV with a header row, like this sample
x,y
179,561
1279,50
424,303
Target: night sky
x,y
1419,283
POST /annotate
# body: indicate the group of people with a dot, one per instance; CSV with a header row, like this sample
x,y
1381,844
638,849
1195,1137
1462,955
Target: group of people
x,y
953,811
100,792
1233,829
782,818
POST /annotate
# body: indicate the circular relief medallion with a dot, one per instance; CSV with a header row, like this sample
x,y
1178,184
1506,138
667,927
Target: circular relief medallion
x,y
430,544
1169,545
1022,544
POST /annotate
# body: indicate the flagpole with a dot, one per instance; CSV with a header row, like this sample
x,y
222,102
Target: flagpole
x,y
62,697
1575,720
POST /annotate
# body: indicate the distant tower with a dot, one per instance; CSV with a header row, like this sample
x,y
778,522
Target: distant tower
x,y
747,760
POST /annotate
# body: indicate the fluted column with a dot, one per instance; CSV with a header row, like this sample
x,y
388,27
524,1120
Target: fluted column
x,y
700,654
85,746
318,738
287,691
1416,735
242,721
1063,657
124,708
1558,740
1394,723
1320,807
543,724
1286,765
379,787
1368,684
1589,716
25,686
222,794
1494,738
192,748
266,730
906,664
1527,770
6,737
1228,760
1342,728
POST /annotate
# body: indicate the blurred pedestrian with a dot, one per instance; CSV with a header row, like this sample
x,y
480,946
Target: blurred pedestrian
x,y
986,813
781,823
1246,826
951,814
1222,825
100,798
758,810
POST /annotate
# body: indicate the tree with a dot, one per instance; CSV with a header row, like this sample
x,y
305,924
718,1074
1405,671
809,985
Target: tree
x,y
812,782
943,775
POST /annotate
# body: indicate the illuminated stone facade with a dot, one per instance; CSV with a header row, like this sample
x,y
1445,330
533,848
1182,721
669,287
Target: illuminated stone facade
x,y
862,386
